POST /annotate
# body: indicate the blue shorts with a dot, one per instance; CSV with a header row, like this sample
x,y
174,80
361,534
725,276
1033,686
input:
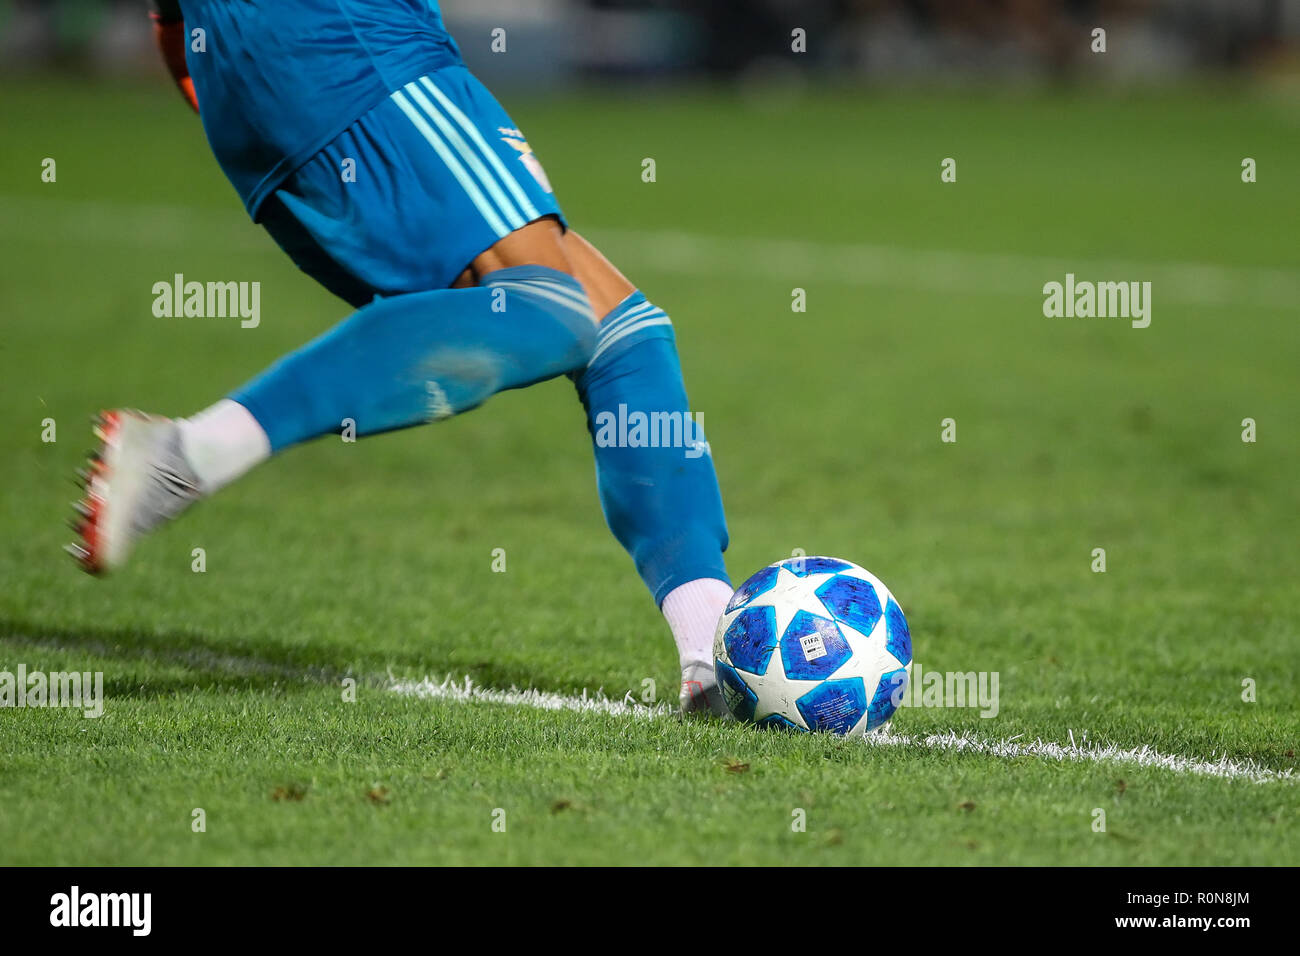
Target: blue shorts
x,y
407,196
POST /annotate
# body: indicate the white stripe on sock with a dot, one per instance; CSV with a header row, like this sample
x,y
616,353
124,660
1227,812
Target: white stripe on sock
x,y
609,325
582,309
624,333
578,299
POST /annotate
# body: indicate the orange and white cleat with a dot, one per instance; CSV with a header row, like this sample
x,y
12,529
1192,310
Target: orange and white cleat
x,y
136,479
700,693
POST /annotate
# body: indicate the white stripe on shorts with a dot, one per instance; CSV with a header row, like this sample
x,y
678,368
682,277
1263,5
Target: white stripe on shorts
x,y
455,113
456,169
467,155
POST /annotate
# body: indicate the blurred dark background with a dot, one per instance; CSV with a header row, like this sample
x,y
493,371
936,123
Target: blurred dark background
x,y
894,41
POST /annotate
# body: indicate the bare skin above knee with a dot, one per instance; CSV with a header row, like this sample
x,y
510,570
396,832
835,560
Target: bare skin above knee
x,y
545,243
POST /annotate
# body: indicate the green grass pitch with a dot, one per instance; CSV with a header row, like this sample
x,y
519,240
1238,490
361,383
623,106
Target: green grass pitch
x,y
224,689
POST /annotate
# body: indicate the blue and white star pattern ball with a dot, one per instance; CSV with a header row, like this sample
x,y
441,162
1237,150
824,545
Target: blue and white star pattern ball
x,y
813,644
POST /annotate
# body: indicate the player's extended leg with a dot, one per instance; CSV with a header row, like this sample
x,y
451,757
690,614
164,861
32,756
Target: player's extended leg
x,y
399,361
426,356
438,183
662,503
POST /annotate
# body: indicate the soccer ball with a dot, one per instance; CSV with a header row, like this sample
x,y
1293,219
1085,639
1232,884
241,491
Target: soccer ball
x,y
813,644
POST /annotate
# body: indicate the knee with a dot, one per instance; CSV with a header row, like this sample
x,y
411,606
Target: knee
x,y
564,314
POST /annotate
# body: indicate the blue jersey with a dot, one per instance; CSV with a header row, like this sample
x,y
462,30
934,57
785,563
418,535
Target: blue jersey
x,y
279,79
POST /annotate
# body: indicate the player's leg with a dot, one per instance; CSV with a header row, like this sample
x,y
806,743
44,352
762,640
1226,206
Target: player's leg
x,y
418,352
397,362
419,357
662,503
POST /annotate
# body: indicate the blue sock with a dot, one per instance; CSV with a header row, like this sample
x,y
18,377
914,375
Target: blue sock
x,y
662,503
425,356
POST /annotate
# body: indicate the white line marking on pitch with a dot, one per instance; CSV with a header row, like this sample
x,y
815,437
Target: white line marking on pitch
x,y
465,690
1145,756
957,271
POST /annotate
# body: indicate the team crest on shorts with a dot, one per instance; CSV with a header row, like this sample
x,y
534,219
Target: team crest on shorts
x,y
526,156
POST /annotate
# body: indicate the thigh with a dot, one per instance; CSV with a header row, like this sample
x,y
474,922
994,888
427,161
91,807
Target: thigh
x,y
606,286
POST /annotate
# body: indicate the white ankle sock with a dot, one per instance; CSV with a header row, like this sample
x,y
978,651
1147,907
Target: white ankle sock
x,y
221,443
692,610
